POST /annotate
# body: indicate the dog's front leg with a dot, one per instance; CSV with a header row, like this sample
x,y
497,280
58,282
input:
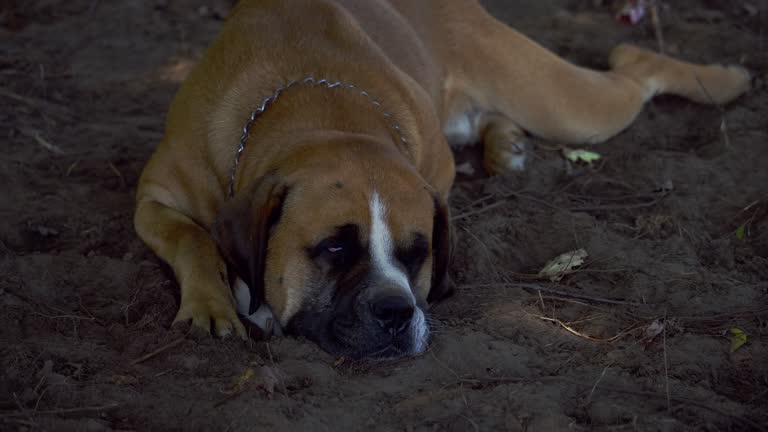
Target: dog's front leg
x,y
189,249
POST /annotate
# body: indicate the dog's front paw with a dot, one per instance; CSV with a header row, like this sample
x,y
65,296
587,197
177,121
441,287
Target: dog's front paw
x,y
205,313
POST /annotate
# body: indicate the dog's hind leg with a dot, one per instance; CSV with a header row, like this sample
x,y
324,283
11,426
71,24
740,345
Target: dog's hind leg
x,y
499,70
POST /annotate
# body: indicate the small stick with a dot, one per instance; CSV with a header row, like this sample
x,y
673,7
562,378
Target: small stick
x,y
49,107
582,335
543,309
118,174
80,410
157,351
656,21
47,145
723,120
72,167
666,367
594,387
23,411
557,291
478,210
616,206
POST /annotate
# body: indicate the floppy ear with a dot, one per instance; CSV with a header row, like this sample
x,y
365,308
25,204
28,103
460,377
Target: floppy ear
x,y
441,253
242,231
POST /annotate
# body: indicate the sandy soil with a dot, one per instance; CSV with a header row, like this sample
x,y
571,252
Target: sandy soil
x,y
84,86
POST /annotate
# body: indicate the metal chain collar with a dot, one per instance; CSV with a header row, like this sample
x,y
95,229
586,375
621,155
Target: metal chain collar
x,y
311,81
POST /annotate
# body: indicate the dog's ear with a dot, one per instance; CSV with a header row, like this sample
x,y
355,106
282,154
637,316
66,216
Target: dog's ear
x,y
242,231
441,253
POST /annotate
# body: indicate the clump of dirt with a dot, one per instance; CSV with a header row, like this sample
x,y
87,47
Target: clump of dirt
x,y
674,218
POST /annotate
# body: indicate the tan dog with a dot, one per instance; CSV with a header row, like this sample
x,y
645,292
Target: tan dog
x,y
338,223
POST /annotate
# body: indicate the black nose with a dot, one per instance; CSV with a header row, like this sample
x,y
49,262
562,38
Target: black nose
x,y
393,313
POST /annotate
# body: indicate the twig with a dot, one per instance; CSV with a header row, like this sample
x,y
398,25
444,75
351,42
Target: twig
x,y
53,108
65,411
23,411
478,210
47,145
158,351
582,335
118,174
555,291
534,199
72,167
666,366
617,206
656,21
721,316
280,379
723,120
600,378
74,317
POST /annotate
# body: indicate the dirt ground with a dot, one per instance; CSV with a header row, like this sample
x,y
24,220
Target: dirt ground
x,y
674,218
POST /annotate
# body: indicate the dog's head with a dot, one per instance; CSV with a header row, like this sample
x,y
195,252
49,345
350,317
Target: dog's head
x,y
345,253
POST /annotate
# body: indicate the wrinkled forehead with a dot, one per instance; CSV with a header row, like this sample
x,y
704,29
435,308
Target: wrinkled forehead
x,y
325,204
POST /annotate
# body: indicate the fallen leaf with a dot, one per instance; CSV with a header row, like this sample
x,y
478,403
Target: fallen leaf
x,y
738,338
563,264
269,379
741,232
580,155
244,379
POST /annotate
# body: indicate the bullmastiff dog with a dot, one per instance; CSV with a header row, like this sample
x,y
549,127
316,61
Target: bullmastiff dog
x,y
306,163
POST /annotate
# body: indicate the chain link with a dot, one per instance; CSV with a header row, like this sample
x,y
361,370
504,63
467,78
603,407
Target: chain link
x,y
310,81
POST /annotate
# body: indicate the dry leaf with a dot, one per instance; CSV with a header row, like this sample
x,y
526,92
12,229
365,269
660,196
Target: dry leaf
x,y
580,155
738,338
563,264
269,378
244,379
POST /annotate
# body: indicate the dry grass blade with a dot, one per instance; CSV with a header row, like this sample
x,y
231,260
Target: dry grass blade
x,y
557,291
571,330
656,22
158,351
64,411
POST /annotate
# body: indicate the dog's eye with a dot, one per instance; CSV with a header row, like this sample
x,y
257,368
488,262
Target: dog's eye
x,y
328,247
338,250
413,256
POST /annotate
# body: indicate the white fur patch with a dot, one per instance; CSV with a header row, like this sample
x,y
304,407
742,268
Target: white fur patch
x,y
459,131
382,247
420,332
263,314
